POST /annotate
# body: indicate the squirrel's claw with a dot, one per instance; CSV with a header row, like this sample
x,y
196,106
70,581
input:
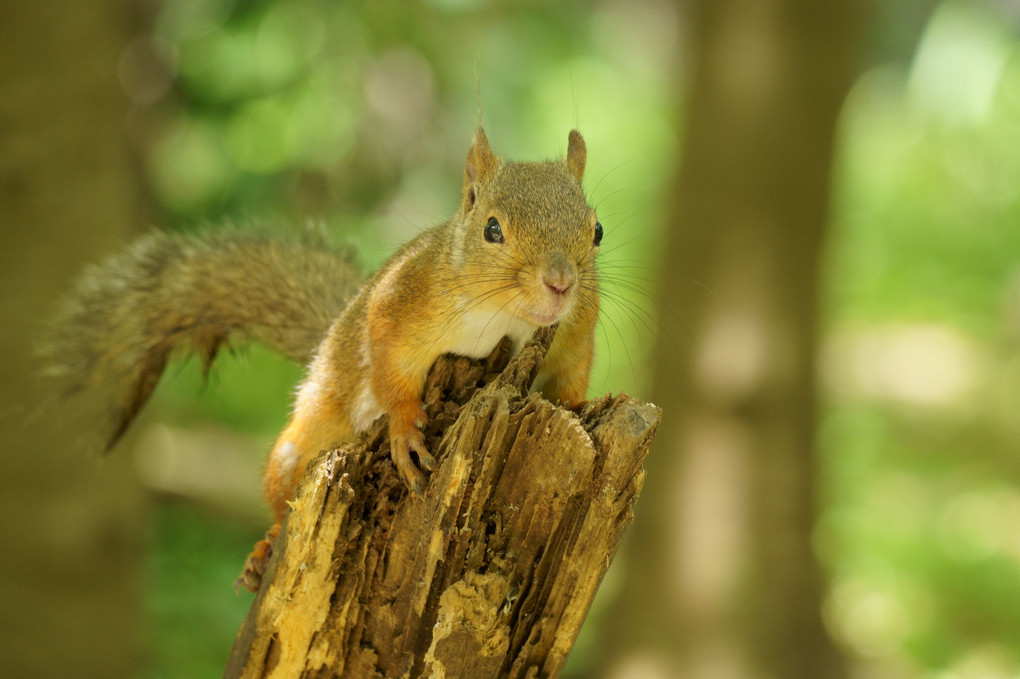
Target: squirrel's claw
x,y
255,565
426,461
401,446
416,442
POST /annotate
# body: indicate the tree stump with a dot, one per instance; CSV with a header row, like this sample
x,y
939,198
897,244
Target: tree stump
x,y
490,574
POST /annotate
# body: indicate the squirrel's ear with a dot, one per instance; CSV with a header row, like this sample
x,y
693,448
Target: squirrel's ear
x,y
481,163
577,154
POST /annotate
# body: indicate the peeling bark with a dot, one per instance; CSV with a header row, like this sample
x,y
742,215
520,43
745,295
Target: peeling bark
x,y
490,574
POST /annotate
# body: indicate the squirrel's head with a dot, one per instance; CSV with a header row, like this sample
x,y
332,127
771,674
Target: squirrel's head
x,y
525,234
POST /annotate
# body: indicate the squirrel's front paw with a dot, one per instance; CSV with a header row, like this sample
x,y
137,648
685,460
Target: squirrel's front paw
x,y
402,441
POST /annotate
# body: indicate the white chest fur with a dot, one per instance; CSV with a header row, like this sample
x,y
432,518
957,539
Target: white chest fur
x,y
481,330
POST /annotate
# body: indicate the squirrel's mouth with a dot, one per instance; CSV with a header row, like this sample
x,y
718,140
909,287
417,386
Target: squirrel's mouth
x,y
549,312
543,319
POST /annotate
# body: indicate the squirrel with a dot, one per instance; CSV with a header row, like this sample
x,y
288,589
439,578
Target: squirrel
x,y
518,254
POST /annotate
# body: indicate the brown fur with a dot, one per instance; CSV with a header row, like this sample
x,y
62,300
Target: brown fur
x,y
170,294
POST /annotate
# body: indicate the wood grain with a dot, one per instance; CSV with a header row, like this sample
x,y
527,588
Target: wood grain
x,y
490,574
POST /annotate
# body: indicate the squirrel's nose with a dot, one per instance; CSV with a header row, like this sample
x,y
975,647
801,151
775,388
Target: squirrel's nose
x,y
559,276
556,286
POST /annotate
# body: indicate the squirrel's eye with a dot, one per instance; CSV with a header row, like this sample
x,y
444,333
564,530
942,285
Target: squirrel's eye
x,y
493,233
598,233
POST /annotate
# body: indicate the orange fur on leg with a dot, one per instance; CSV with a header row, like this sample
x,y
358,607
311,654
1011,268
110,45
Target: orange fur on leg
x,y
255,564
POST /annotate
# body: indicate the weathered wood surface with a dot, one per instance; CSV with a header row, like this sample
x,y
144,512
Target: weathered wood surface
x,y
490,574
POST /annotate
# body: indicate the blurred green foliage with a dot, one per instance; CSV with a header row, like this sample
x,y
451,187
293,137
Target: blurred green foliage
x,y
193,613
921,527
360,115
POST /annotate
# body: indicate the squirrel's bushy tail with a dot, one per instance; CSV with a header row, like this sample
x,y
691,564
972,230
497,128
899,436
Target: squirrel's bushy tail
x,y
169,294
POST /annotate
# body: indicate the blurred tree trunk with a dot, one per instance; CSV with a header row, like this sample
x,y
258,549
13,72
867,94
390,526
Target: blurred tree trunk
x,y
71,529
721,580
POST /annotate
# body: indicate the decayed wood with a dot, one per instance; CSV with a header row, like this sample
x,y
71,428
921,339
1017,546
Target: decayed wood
x,y
490,574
